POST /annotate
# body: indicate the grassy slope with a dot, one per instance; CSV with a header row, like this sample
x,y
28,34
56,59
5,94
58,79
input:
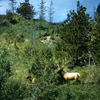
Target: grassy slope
x,y
19,69
23,27
10,35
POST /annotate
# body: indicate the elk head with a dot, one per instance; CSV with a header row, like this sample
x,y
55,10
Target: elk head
x,y
30,78
61,68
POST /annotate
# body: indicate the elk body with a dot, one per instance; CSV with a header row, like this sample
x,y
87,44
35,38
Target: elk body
x,y
30,78
67,75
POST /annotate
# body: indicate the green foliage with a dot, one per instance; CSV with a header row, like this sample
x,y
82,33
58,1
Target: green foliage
x,y
59,93
52,37
76,38
9,15
96,36
51,12
4,67
42,11
15,90
43,68
26,10
43,32
60,49
75,33
98,9
3,21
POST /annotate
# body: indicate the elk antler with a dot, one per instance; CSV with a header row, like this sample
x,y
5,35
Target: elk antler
x,y
65,63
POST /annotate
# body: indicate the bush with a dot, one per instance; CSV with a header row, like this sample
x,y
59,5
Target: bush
x,y
4,67
43,38
9,15
14,89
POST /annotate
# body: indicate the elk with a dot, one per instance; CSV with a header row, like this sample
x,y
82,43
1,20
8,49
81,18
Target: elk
x,y
67,75
30,78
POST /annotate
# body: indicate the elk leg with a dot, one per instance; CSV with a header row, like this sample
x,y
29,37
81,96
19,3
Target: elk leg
x,y
77,81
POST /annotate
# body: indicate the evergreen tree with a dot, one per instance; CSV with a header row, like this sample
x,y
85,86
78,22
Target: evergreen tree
x,y
51,12
98,9
41,14
97,13
75,33
42,10
10,13
26,10
98,19
96,31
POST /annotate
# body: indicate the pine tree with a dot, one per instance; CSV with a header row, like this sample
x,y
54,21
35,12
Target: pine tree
x,y
42,10
51,12
76,29
98,9
26,10
96,31
10,12
41,14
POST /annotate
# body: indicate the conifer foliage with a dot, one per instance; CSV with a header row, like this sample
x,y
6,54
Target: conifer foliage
x,y
96,35
51,12
76,29
26,10
42,10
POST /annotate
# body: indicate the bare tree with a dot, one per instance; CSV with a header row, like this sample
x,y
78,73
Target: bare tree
x,y
12,4
42,11
51,12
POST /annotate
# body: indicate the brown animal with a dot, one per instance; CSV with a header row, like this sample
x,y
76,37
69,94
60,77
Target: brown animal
x,y
30,78
66,75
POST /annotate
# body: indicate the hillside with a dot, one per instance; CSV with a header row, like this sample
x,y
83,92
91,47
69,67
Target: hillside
x,y
34,47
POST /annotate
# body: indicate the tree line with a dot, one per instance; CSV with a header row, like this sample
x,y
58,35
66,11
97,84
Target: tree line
x,y
27,10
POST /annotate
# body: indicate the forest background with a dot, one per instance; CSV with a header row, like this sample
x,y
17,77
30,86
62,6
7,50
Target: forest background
x,y
34,47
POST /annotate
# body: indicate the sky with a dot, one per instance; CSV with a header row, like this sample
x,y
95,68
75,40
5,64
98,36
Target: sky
x,y
61,7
